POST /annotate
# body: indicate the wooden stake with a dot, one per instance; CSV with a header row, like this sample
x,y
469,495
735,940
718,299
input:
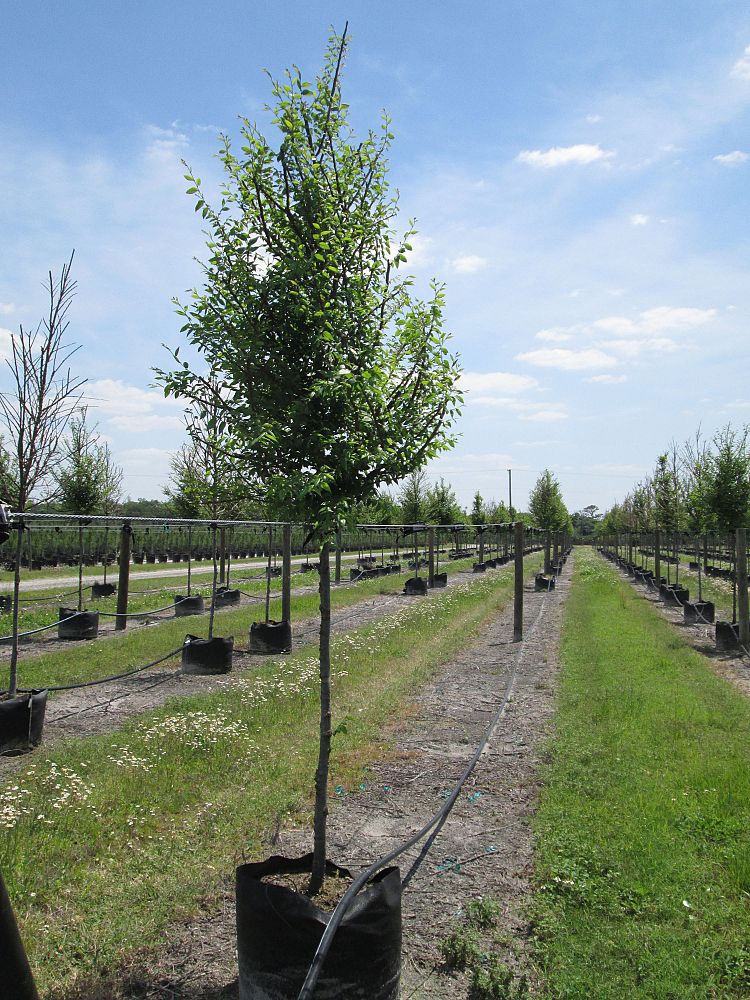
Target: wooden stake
x,y
743,609
518,594
123,582
286,573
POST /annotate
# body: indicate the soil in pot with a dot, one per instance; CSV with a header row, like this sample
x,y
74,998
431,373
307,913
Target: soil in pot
x,y
85,624
207,656
270,637
278,931
22,721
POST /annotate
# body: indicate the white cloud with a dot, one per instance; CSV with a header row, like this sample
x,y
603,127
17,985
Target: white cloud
x,y
633,348
6,308
555,335
567,360
420,254
732,159
607,379
544,416
560,156
128,408
496,382
469,264
639,219
655,321
741,69
593,119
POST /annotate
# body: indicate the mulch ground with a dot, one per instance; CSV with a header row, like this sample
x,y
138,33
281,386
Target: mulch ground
x,y
483,849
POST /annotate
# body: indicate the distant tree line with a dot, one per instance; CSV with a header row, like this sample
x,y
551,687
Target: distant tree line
x,y
700,486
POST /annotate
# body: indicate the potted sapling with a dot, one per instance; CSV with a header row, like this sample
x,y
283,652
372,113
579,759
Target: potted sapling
x,y
335,379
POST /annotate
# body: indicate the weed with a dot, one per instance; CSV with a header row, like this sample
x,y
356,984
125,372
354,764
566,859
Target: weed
x,y
460,949
483,912
495,981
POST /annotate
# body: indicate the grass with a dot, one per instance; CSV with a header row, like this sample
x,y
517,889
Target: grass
x,y
643,829
93,659
110,839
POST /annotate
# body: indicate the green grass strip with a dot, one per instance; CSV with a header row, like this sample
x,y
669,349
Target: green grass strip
x,y
643,829
109,839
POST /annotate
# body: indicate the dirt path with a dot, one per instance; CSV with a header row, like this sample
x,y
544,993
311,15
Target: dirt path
x,y
104,708
484,848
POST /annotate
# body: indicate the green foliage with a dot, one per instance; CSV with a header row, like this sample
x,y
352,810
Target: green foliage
x,y
546,503
483,912
460,948
666,493
495,981
88,481
727,479
441,505
334,379
147,508
477,515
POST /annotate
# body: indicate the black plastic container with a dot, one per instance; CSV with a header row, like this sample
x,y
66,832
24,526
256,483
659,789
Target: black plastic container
x,y
85,624
542,582
102,589
185,606
226,597
699,612
440,580
6,603
727,636
415,586
22,721
270,637
479,567
278,931
207,656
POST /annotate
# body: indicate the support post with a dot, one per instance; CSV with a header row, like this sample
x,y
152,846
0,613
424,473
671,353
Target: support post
x,y
743,610
657,559
547,541
518,593
555,550
222,554
286,573
123,580
431,557
481,546
337,570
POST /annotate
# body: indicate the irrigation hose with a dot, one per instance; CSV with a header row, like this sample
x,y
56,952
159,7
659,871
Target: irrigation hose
x,y
308,987
107,680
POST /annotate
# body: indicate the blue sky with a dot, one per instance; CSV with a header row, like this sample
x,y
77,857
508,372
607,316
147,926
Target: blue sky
x,y
579,173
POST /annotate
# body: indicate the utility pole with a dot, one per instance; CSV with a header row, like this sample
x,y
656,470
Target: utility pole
x,y
510,493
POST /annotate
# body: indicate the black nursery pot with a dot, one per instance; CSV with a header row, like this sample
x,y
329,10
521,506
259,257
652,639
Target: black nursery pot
x,y
6,603
278,931
479,567
699,612
184,606
102,589
270,637
415,586
225,597
440,580
85,625
727,636
207,656
22,721
542,582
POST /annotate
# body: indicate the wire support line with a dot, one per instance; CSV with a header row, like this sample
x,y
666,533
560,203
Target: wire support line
x,y
47,600
437,820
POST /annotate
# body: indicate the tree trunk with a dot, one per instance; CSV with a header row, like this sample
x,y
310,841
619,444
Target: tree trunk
x,y
13,679
212,612
324,752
